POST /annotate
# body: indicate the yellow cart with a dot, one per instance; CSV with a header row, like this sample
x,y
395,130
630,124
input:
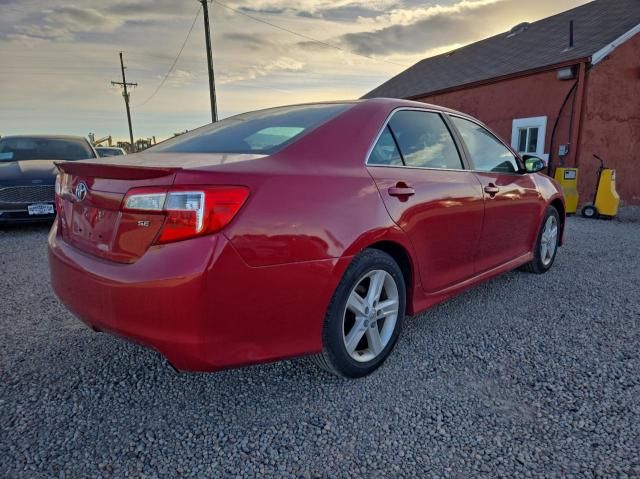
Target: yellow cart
x,y
605,199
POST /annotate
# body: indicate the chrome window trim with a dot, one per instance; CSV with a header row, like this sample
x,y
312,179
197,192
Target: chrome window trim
x,y
439,112
418,168
384,127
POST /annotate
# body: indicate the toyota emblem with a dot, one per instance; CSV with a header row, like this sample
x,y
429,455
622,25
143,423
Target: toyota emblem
x,y
81,190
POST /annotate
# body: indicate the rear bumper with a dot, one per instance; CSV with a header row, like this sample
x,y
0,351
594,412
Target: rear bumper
x,y
197,302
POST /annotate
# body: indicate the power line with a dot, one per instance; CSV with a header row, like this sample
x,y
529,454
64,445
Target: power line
x,y
301,35
126,96
212,82
175,62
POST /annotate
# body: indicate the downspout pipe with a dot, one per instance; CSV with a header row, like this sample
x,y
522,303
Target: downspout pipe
x,y
555,126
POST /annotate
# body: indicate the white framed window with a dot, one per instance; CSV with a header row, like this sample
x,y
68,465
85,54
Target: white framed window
x,y
528,136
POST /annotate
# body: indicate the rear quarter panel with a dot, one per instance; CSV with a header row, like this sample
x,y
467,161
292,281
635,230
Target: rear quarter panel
x,y
314,200
311,208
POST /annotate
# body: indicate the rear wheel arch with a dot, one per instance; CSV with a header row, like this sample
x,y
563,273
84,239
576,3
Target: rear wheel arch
x,y
355,355
403,259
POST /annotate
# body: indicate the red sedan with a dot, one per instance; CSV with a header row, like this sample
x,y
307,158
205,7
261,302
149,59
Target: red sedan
x,y
309,229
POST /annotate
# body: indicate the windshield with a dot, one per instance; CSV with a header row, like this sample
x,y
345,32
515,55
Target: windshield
x,y
264,131
25,148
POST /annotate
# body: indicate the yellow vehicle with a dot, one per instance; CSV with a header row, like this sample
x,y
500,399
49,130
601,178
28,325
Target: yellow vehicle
x,y
605,199
568,180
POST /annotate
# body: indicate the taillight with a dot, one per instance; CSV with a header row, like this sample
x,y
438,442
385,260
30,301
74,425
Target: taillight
x,y
189,211
58,192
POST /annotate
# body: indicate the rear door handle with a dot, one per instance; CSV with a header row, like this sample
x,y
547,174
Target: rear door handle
x,y
401,190
491,189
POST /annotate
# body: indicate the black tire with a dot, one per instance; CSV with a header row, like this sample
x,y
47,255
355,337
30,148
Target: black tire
x,y
334,357
537,265
589,211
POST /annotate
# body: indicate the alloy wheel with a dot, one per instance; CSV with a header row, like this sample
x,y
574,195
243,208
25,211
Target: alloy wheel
x,y
549,240
370,315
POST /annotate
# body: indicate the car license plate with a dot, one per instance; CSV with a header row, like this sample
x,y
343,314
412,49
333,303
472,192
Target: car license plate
x,y
40,209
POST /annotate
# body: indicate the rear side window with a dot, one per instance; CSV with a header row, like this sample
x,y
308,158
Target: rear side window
x,y
37,148
487,153
385,152
424,140
264,132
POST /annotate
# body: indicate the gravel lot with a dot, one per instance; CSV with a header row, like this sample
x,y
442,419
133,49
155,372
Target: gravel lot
x,y
525,376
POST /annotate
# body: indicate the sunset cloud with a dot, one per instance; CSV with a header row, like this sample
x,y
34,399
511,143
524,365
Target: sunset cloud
x,y
58,61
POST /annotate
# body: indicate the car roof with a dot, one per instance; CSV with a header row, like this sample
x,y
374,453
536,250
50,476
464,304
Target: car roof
x,y
398,103
386,103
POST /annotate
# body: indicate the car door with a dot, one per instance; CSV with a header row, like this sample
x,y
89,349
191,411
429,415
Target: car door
x,y
512,201
430,194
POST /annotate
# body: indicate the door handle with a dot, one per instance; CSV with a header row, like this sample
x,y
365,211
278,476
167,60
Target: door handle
x,y
401,189
491,189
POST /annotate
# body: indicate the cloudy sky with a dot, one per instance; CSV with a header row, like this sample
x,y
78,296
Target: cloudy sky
x,y
57,57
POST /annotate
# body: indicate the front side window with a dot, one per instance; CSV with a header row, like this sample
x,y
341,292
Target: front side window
x,y
424,140
263,132
487,153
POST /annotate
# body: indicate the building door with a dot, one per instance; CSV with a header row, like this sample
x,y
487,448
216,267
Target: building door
x,y
511,199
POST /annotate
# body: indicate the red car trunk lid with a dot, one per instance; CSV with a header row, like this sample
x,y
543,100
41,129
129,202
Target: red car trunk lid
x,y
90,216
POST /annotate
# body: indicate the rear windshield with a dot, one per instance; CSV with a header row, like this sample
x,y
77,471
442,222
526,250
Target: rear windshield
x,y
24,148
264,131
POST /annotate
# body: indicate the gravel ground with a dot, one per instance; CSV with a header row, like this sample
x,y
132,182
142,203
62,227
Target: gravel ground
x,y
525,376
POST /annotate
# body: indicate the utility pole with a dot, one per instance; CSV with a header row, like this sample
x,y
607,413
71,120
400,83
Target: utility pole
x,y
125,94
212,82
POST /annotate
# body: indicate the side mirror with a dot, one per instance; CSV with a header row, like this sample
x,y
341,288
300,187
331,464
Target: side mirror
x,y
533,164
